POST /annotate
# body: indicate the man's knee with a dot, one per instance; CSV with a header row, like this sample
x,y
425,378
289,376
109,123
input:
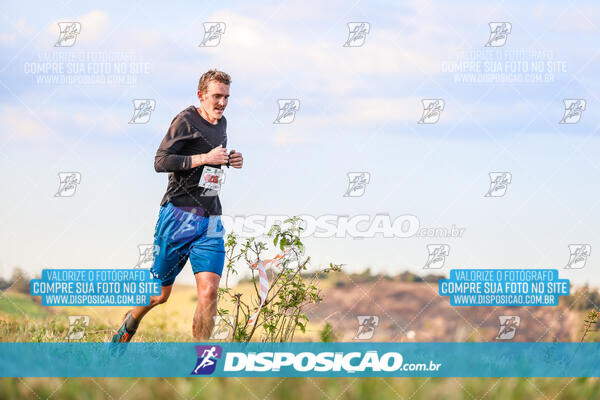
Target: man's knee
x,y
207,284
160,299
208,293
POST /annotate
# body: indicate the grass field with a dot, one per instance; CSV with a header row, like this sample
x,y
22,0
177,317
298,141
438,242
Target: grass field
x,y
22,319
300,388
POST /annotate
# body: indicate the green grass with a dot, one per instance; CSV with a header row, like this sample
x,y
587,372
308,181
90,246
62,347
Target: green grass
x,y
24,320
20,304
301,388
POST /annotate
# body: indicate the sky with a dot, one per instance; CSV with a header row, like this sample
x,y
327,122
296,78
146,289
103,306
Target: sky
x,y
359,108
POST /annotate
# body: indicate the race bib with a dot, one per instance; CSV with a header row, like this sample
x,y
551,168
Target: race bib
x,y
211,180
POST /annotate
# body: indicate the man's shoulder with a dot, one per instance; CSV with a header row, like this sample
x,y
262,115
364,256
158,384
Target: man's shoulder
x,y
184,115
183,120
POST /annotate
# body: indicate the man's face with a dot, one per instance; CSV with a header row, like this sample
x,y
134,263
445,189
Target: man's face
x,y
214,100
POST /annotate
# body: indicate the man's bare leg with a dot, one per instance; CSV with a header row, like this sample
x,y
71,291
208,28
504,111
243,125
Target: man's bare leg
x,y
133,317
207,285
138,312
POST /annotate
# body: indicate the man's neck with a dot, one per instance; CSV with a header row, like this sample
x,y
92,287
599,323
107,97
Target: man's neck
x,y
204,115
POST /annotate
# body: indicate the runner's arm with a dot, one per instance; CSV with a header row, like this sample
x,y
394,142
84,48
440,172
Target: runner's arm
x,y
167,157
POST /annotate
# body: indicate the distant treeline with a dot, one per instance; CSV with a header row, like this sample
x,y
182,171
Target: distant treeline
x,y
341,278
18,282
366,276
581,297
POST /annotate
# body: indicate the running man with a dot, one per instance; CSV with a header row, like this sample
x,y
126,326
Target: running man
x,y
189,223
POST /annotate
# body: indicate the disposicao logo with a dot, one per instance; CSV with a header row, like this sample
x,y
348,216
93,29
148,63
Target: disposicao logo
x,y
207,359
305,362
308,361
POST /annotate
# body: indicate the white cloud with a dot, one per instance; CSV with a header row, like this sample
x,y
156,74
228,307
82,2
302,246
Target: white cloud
x,y
276,57
20,123
21,32
94,27
578,19
286,138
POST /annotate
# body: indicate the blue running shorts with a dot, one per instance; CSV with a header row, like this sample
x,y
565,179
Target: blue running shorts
x,y
181,235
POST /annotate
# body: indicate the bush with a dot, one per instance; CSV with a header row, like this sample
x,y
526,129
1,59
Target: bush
x,y
327,334
290,288
584,298
18,282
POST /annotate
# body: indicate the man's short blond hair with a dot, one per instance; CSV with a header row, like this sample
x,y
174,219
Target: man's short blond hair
x,y
213,75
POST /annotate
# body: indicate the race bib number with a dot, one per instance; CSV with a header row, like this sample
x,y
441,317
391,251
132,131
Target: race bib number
x,y
211,180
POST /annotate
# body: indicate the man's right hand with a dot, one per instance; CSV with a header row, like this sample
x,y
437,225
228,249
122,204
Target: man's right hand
x,y
217,156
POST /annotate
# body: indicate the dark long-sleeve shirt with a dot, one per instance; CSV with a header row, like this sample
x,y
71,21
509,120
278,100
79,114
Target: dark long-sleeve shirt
x,y
189,134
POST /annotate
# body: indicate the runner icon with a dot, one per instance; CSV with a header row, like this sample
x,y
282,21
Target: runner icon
x,y
207,361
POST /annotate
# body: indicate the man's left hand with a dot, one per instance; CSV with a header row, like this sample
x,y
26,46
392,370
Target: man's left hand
x,y
236,160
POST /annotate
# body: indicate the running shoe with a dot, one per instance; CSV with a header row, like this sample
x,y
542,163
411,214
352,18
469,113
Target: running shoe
x,y
123,335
